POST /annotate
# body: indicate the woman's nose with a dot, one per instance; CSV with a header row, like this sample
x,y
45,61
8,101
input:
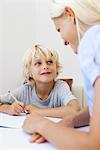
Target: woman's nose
x,y
66,43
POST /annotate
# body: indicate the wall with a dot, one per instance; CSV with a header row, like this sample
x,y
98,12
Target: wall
x,y
21,23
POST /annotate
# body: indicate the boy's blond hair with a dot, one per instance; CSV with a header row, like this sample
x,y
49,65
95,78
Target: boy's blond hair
x,y
87,12
35,52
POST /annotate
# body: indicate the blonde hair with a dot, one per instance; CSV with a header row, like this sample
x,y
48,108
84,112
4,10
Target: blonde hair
x,y
87,12
35,52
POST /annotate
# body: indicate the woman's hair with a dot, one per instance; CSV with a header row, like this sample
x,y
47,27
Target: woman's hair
x,y
87,12
36,52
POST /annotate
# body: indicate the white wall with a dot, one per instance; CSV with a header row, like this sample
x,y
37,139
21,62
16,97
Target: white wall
x,y
21,23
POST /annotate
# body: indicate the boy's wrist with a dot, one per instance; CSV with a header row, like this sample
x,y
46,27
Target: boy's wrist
x,y
7,109
76,120
4,108
69,121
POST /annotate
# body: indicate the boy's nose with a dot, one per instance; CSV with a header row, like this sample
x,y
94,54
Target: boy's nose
x,y
45,68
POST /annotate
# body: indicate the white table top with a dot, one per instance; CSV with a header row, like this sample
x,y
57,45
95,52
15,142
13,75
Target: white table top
x,y
12,138
15,139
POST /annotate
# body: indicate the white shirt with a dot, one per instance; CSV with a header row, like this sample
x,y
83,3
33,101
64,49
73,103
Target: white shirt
x,y
89,55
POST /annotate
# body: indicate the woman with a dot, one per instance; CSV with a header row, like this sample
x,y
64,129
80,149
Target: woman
x,y
78,22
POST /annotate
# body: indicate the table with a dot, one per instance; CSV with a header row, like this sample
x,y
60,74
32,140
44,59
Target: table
x,y
12,137
16,139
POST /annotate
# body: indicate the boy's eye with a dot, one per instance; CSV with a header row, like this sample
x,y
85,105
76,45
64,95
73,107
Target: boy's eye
x,y
38,63
50,62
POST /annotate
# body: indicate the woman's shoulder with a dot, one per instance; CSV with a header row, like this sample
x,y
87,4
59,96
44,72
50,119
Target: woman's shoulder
x,y
92,32
94,28
90,40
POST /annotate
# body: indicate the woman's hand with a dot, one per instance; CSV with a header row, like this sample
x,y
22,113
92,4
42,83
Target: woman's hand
x,y
33,122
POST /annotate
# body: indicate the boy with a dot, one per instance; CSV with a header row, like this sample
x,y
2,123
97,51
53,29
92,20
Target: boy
x,y
42,93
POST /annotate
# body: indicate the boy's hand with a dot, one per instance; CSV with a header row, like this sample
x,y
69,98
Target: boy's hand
x,y
16,108
31,108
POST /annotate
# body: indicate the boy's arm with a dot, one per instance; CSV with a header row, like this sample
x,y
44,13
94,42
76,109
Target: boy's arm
x,y
71,108
82,118
4,108
9,105
77,119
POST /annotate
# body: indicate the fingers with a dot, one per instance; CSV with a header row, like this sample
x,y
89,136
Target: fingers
x,y
27,109
17,108
37,138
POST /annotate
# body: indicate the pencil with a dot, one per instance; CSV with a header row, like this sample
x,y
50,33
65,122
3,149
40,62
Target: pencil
x,y
13,96
15,99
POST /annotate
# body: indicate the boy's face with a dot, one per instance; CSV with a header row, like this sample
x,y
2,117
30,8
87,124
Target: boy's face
x,y
43,70
67,29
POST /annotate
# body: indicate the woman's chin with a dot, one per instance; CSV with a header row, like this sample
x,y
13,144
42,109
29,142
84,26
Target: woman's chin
x,y
74,49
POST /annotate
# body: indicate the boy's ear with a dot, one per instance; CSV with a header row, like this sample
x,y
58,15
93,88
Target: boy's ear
x,y
30,74
69,12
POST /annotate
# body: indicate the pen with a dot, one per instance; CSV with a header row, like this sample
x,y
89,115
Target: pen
x,y
15,99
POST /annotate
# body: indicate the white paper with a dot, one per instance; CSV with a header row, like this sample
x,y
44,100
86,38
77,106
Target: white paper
x,y
16,121
11,121
54,119
86,129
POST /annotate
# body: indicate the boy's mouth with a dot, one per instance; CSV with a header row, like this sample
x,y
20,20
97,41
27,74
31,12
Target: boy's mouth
x,y
45,73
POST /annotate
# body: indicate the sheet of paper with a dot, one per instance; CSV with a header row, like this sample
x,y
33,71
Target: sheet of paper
x,y
86,129
10,121
54,119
